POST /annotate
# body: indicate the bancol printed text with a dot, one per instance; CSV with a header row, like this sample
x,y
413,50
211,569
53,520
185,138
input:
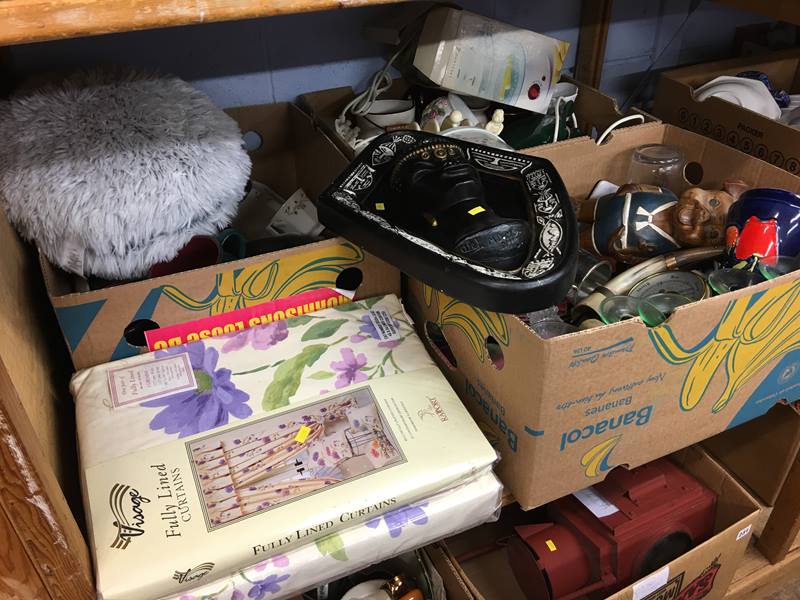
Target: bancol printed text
x,y
637,417
494,411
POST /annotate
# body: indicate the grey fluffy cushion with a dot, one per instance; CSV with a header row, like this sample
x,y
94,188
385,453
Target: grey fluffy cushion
x,y
128,166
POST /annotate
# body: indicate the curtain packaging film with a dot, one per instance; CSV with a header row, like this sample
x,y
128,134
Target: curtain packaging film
x,y
244,375
331,557
225,452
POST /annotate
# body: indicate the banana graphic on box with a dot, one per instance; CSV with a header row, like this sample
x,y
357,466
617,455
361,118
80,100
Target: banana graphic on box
x,y
258,283
595,460
476,324
753,331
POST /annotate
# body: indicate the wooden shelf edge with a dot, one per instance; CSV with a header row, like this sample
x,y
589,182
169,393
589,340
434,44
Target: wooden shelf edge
x,y
756,576
780,10
23,21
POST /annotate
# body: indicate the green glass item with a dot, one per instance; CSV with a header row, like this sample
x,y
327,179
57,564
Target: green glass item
x,y
775,266
618,308
653,311
665,304
723,281
534,129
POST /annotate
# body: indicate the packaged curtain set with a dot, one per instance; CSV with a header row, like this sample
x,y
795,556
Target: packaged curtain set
x,y
339,554
204,459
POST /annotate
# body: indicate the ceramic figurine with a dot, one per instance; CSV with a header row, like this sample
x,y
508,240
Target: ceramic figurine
x,y
495,126
763,223
641,221
699,218
630,225
453,120
436,110
431,126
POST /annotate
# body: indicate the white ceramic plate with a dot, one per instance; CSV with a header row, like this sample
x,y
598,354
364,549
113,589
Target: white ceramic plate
x,y
477,135
748,93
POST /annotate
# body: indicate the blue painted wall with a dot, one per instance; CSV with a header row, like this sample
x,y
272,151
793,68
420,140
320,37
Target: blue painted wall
x,y
277,58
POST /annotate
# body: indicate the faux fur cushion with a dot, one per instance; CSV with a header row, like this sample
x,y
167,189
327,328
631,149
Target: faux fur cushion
x,y
125,165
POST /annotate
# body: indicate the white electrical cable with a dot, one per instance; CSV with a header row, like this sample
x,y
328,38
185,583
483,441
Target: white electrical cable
x,y
616,124
362,103
558,118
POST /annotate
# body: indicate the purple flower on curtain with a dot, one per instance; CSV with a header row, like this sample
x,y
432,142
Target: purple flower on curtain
x,y
206,407
268,585
400,517
260,338
349,368
237,595
368,330
279,560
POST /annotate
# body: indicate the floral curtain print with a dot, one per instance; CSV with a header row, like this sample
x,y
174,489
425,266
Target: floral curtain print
x,y
396,520
265,368
401,529
263,580
258,466
207,407
335,546
267,578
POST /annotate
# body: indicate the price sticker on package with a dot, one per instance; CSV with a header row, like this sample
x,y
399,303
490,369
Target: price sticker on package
x,y
650,584
599,506
385,326
151,380
302,434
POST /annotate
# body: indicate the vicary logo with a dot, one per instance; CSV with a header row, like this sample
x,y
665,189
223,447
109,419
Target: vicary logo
x,y
194,574
435,409
126,506
632,417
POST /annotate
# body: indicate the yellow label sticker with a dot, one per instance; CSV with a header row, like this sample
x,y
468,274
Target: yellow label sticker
x,y
550,545
302,434
476,211
380,206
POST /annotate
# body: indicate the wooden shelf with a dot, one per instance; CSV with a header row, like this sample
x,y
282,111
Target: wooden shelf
x,y
24,21
756,577
779,10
